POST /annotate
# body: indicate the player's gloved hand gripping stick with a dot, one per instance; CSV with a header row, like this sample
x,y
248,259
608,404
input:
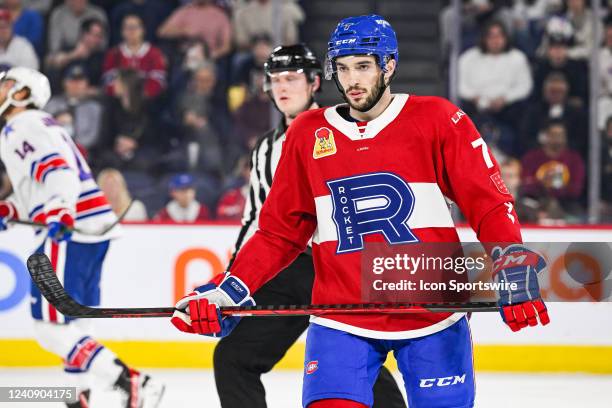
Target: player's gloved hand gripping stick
x,y
522,306
13,218
59,221
199,311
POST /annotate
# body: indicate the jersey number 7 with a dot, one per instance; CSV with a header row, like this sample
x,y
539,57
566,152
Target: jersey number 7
x,y
485,151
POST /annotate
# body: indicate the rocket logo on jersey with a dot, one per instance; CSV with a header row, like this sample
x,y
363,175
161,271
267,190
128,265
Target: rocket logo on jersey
x,y
324,144
370,203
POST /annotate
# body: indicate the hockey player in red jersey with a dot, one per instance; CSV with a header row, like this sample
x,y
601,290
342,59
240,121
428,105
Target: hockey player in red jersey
x,y
376,169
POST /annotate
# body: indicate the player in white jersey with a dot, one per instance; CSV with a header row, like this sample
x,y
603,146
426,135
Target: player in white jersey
x,y
53,185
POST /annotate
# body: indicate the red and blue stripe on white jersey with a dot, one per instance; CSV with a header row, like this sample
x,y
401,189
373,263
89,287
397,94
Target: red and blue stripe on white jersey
x,y
51,162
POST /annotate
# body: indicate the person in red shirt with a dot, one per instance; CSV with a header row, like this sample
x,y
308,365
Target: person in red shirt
x,y
136,53
554,171
183,208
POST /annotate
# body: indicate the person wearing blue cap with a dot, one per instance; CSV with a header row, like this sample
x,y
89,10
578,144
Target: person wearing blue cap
x,y
183,208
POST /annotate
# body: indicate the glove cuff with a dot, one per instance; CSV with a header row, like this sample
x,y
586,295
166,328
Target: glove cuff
x,y
236,289
62,215
8,210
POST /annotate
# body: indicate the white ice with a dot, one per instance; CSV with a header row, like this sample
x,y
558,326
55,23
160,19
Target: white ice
x,y
196,388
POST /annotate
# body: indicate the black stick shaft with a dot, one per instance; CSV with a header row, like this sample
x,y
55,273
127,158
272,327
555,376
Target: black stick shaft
x,y
50,287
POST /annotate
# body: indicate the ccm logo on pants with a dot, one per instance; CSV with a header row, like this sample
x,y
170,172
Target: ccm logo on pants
x,y
442,381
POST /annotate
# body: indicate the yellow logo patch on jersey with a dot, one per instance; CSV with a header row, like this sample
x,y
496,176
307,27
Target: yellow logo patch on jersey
x,y
324,144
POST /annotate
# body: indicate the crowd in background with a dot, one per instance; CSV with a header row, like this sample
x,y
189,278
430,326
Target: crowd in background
x,y
524,79
165,99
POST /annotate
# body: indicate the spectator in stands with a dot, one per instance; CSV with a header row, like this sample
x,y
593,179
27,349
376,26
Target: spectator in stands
x,y
65,23
86,112
255,19
42,6
183,208
557,60
196,111
529,17
526,207
27,23
185,23
605,72
14,49
554,171
605,60
129,136
253,117
136,53
232,202
555,105
248,66
196,55
494,78
112,183
88,51
152,13
606,172
581,18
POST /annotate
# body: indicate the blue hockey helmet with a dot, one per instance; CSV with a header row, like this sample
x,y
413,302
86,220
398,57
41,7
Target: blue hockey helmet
x,y
362,35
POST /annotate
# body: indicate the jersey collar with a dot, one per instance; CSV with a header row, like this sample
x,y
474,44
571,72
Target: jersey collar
x,y
373,127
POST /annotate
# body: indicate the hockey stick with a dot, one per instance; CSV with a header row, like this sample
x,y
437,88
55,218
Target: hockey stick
x,y
77,230
50,287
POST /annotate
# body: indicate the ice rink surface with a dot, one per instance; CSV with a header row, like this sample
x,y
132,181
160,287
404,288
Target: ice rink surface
x,y
196,388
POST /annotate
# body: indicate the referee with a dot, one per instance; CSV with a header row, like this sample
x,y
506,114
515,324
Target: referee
x,y
293,75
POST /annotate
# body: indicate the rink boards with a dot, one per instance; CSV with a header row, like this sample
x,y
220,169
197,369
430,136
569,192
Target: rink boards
x,y
152,265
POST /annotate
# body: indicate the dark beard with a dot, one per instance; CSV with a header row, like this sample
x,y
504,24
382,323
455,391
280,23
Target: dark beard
x,y
371,100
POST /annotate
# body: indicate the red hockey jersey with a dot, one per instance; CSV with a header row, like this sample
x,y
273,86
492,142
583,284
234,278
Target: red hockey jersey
x,y
344,184
149,61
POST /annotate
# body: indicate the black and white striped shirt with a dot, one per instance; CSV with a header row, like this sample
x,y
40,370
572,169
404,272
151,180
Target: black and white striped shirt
x,y
264,160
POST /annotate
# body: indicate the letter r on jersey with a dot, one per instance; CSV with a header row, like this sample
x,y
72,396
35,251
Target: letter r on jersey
x,y
369,203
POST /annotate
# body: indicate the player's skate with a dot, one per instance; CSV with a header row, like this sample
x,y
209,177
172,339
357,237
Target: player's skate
x,y
139,390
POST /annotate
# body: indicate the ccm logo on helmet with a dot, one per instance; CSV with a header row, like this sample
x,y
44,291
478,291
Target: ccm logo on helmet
x,y
442,381
347,41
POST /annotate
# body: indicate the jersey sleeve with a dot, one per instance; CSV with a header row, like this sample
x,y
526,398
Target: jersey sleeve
x,y
286,222
472,179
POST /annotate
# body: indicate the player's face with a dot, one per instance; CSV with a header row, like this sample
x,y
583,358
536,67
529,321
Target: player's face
x,y
291,91
361,79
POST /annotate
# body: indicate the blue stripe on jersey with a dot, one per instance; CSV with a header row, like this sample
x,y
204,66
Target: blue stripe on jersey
x,y
46,173
86,193
35,210
82,217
